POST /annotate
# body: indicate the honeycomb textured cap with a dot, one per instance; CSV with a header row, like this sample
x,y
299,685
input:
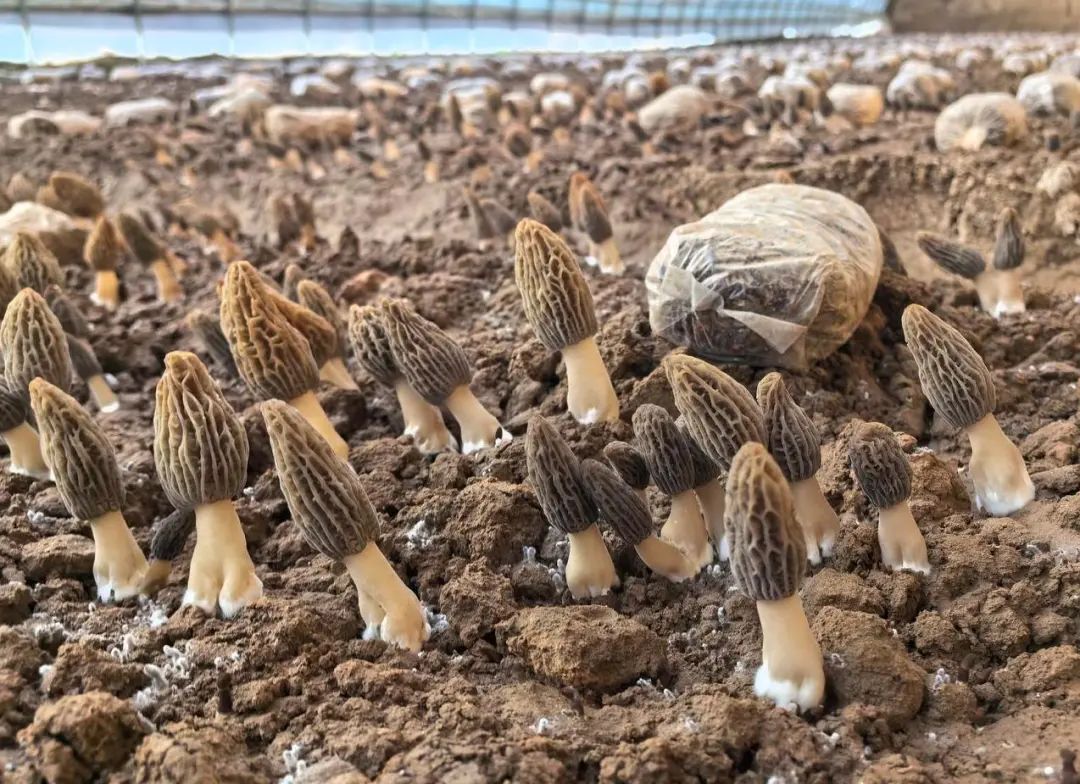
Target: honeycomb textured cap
x,y
271,355
80,197
200,445
71,318
768,553
103,249
317,331
8,287
952,256
554,292
792,438
33,344
952,375
705,470
555,475
428,358
628,464
719,412
1009,246
83,359
544,211
324,494
617,503
31,263
142,243
291,280
370,344
13,409
591,214
171,534
315,298
664,447
880,464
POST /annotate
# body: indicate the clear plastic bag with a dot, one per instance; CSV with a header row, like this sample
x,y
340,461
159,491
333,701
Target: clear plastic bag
x,y
779,275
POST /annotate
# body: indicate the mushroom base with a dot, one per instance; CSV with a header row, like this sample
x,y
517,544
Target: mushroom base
x,y
1000,292
106,290
1002,484
378,584
590,397
665,559
589,570
818,520
335,373
311,409
607,256
902,543
102,394
222,574
25,448
119,564
157,575
423,421
791,672
710,497
479,429
168,287
685,528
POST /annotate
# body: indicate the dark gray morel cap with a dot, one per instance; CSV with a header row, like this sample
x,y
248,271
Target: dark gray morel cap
x,y
705,470
664,447
139,239
83,358
793,439
628,464
1009,246
952,256
71,318
31,263
617,503
429,359
952,375
544,211
555,475
292,278
13,409
324,494
370,344
207,329
171,534
82,460
33,344
768,552
880,465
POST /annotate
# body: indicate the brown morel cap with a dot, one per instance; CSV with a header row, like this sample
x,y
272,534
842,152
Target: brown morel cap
x,y
952,256
291,280
428,358
317,331
370,344
318,300
952,375
500,218
8,287
271,355
880,464
33,344
200,445
544,211
485,229
890,255
80,197
285,220
588,210
83,359
71,318
324,494
31,263
768,553
705,470
303,210
1009,247
207,329
20,188
103,249
792,437
171,534
628,464
517,139
720,414
348,243
13,409
555,475
554,292
454,115
665,450
617,503
142,243
47,196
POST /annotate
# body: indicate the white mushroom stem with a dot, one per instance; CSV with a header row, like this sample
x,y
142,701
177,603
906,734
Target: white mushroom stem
x,y
665,559
791,671
607,256
1002,484
335,373
902,543
1000,292
157,575
589,570
168,286
711,498
685,528
311,409
22,441
106,289
590,397
119,564
818,521
479,428
423,421
431,172
222,574
404,623
102,394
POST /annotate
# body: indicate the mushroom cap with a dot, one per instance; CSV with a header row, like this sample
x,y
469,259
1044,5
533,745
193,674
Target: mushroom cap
x,y
517,140
8,286
348,243
554,292
71,318
371,345
207,329
271,355
880,465
665,450
31,263
705,470
429,359
142,243
315,298
317,331
768,552
952,375
1009,245
83,359
485,229
33,344
200,445
555,475
617,503
284,218
952,256
171,534
82,460
587,210
544,211
13,409
291,280
628,464
78,196
103,249
792,438
719,412
500,218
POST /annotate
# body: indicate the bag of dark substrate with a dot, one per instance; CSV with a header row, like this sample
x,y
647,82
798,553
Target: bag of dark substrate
x,y
778,275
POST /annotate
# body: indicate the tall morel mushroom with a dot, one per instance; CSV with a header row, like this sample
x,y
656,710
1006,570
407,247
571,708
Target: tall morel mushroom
x,y
201,453
152,254
768,560
628,463
31,263
102,253
1008,256
589,215
998,287
33,344
170,536
86,365
958,385
559,307
21,439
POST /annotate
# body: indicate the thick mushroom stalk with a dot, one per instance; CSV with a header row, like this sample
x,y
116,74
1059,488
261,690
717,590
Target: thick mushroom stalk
x,y
102,253
87,478
884,475
170,536
998,286
958,385
152,254
589,215
559,307
201,453
555,475
768,560
89,370
328,504
21,439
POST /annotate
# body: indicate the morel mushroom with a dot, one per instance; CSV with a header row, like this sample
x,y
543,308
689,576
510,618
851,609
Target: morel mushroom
x,y
151,253
559,307
1008,256
555,475
33,344
628,463
79,197
318,300
795,444
768,560
328,504
71,318
31,263
207,329
998,287
86,365
21,439
201,453
544,211
884,475
87,478
958,385
322,337
170,536
102,253
483,225
709,489
590,216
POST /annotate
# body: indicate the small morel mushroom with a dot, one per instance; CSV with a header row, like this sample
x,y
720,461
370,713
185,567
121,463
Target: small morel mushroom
x,y
431,163
86,365
518,141
318,300
500,218
708,487
152,254
884,475
170,536
958,385
71,318
31,264
79,197
628,515
589,215
628,463
437,368
102,254
292,278
485,228
323,337
328,504
87,478
795,444
371,347
33,344
555,475
1008,256
201,453
768,560
559,307
544,211
998,287
207,329
21,439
